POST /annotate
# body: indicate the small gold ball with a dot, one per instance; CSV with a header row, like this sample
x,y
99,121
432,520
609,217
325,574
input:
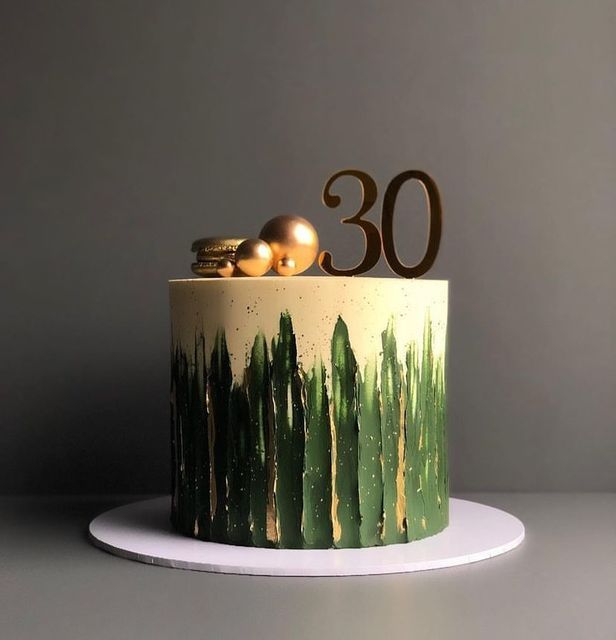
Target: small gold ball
x,y
225,268
291,238
254,257
286,266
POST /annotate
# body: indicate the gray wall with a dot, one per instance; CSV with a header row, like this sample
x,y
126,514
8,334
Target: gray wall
x,y
130,128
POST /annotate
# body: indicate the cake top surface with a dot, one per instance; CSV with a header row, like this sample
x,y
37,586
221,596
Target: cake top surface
x,y
316,279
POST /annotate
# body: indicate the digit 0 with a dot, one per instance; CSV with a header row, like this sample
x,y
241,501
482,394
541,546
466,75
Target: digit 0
x,y
435,230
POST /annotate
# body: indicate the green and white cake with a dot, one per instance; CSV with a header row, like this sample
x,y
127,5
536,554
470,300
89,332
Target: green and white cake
x,y
309,412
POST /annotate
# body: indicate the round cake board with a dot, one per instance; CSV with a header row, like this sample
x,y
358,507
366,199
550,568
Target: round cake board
x,y
141,531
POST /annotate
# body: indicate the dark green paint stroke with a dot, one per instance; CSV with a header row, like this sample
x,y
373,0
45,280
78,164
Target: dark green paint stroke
x,y
258,381
191,490
317,523
239,467
185,511
370,472
390,425
219,387
289,429
344,372
199,426
175,437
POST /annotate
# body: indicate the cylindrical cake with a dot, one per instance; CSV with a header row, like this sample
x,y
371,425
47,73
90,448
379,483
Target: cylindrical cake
x,y
309,412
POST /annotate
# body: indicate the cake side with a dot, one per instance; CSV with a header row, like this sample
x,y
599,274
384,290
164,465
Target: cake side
x,y
309,412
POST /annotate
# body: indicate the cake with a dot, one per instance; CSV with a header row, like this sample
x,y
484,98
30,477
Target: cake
x,y
308,412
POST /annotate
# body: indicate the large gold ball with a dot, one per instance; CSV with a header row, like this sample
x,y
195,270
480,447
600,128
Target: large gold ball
x,y
292,238
225,268
254,257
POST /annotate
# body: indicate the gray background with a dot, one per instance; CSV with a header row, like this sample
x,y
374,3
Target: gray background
x,y
130,128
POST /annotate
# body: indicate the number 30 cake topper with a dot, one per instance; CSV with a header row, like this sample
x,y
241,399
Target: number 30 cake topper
x,y
289,244
375,239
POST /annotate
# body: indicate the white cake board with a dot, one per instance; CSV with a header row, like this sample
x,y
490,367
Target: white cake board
x,y
141,531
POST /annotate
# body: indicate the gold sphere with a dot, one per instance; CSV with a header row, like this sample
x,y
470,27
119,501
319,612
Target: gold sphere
x,y
286,266
225,268
291,238
254,257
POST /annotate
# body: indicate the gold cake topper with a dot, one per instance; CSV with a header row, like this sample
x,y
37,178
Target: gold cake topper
x,y
290,244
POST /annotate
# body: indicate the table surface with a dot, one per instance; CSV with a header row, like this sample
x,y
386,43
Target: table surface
x,y
560,583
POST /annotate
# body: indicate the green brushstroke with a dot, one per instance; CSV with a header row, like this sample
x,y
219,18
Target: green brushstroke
x,y
415,436
183,466
429,478
199,426
219,387
390,425
174,436
278,425
289,429
370,471
191,491
344,371
186,494
427,481
258,380
239,467
441,435
317,525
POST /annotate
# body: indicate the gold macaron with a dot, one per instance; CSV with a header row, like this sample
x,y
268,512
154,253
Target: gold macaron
x,y
215,256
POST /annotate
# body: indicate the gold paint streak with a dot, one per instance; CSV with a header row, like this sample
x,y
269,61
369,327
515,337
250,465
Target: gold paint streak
x,y
271,524
304,392
438,484
424,522
382,458
336,528
401,497
210,439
